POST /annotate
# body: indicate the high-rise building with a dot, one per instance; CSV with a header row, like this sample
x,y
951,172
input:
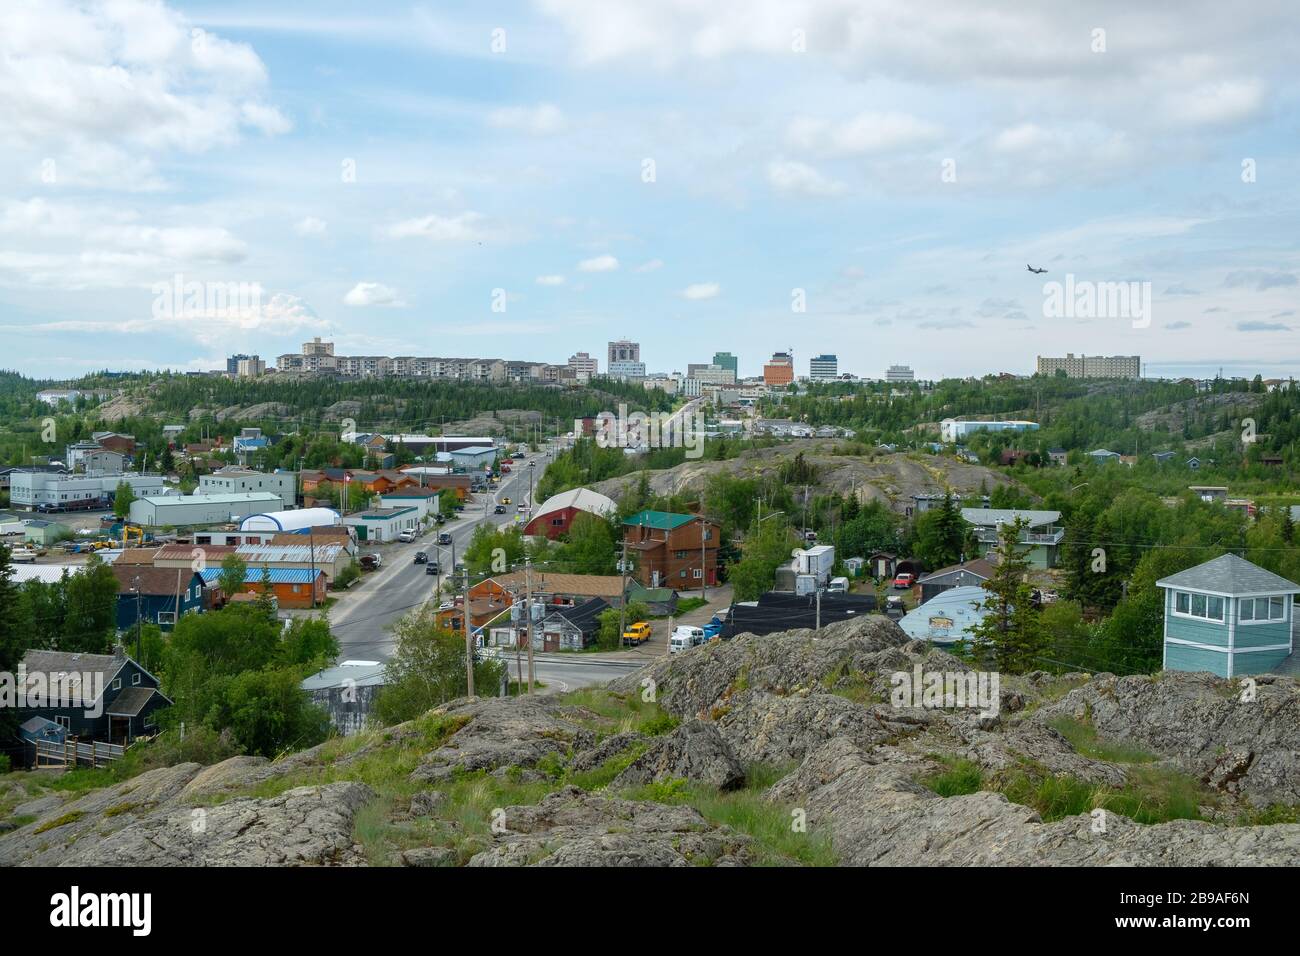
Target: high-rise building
x,y
900,373
727,360
711,374
232,363
823,368
624,351
584,364
250,366
317,347
1092,366
780,370
626,368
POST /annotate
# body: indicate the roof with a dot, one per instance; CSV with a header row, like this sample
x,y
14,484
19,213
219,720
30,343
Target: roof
x,y
349,674
153,581
74,665
258,575
582,616
1230,575
660,520
290,520
132,700
48,573
957,605
593,585
324,553
233,499
377,514
474,450
978,566
584,499
995,516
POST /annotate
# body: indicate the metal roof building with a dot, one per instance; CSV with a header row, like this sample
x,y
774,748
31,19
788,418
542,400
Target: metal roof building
x,y
184,510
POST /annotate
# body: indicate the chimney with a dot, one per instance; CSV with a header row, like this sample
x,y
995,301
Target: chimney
x,y
119,651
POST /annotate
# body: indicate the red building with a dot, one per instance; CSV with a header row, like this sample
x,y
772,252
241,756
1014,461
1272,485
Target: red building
x,y
555,515
672,550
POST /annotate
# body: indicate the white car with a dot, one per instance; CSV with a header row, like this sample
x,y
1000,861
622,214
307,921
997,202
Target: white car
x,y
22,554
406,536
684,637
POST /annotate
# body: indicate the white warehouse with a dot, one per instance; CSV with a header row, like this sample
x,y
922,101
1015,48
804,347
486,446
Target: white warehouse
x,y
183,510
234,480
952,430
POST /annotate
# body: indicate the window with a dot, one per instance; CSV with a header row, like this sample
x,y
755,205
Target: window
x,y
117,684
135,679
1264,609
697,573
1198,605
64,722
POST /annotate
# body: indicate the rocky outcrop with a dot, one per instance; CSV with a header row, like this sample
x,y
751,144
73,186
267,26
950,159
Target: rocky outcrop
x,y
878,815
1244,744
694,750
503,732
147,821
574,828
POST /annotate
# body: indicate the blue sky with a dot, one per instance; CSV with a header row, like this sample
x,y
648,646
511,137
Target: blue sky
x,y
796,145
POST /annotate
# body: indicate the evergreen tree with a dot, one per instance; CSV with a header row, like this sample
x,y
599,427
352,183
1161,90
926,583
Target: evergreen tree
x,y
1010,633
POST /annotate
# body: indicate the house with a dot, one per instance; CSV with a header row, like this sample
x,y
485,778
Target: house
x,y
1229,617
1057,456
549,588
1012,456
93,697
881,564
425,500
1193,463
1040,540
569,628
1103,456
967,574
660,601
123,444
1162,456
347,693
555,515
948,617
292,587
383,524
430,480
155,595
44,533
855,565
673,550
474,458
1209,492
235,480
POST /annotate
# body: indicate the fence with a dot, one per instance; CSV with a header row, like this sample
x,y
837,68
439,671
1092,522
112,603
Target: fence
x,y
74,753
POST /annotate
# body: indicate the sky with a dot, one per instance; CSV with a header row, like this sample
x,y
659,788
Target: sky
x,y
529,180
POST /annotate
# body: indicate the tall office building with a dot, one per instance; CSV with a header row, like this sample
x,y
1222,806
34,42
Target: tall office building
x,y
624,351
780,370
232,363
1092,366
900,373
823,368
727,360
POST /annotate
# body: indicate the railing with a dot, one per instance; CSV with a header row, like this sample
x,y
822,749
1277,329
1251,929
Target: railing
x,y
75,753
991,536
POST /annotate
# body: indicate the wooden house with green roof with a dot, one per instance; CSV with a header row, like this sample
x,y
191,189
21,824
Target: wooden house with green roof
x,y
669,550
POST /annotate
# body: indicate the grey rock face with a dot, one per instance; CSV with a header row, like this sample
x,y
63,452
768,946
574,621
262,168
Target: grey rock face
x,y
878,816
694,750
1248,748
611,746
427,802
428,856
505,732
574,828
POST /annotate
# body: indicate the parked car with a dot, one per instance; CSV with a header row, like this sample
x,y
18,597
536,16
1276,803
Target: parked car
x,y
905,580
637,634
685,637
23,554
407,536
444,537
370,562
505,500
421,557
894,608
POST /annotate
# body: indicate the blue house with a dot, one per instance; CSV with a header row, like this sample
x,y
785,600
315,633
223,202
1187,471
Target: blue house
x,y
155,595
1228,617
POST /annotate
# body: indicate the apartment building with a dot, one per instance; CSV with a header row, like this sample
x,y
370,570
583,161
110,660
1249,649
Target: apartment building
x,y
711,374
823,368
584,364
900,373
1092,366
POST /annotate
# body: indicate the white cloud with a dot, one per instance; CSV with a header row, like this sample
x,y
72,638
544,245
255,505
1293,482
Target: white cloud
x,y
701,290
310,227
864,134
372,293
796,178
468,226
650,266
550,280
605,263
541,120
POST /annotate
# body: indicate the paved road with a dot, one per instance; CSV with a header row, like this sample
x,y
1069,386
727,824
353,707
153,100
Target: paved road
x,y
363,616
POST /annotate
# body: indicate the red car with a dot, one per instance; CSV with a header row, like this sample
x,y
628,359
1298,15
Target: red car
x,y
904,580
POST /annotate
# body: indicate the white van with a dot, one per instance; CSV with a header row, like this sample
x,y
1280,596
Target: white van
x,y
838,586
685,637
406,536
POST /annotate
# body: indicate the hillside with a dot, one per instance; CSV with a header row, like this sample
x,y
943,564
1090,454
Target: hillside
x,y
781,749
888,478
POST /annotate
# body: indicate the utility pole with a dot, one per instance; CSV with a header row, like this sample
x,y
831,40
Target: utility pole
x,y
622,604
469,644
528,609
818,626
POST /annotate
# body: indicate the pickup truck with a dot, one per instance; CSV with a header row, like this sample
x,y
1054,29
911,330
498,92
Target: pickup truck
x,y
905,580
637,634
